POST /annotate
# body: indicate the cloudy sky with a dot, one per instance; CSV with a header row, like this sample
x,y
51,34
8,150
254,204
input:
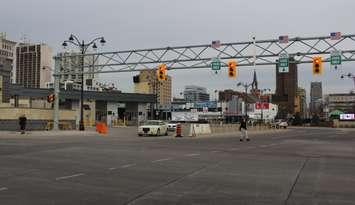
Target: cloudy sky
x,y
134,24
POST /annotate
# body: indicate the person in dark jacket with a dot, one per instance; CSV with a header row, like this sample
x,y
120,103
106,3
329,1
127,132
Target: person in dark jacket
x,y
243,130
22,122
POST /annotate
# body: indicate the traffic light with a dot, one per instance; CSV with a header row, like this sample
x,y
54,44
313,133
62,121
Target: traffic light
x,y
232,69
50,98
317,65
161,72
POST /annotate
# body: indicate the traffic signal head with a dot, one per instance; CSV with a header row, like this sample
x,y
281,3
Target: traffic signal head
x,y
232,69
50,98
317,65
161,72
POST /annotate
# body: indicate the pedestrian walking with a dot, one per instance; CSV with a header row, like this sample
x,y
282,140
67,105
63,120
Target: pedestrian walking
x,y
243,130
22,122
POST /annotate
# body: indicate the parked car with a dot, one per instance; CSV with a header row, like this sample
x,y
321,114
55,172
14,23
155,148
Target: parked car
x,y
172,126
153,127
281,124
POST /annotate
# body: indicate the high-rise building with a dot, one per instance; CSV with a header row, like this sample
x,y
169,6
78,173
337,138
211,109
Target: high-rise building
x,y
193,93
316,98
286,90
71,63
7,50
33,65
147,83
302,102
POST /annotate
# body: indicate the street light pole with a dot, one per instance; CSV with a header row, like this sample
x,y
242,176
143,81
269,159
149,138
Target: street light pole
x,y
246,86
349,75
83,48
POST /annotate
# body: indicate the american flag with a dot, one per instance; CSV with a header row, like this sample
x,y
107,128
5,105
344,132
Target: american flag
x,y
335,35
283,39
216,44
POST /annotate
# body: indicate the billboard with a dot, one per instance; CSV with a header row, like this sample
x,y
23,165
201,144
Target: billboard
x,y
347,116
184,116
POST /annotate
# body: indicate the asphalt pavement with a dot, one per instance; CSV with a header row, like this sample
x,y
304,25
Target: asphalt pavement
x,y
293,166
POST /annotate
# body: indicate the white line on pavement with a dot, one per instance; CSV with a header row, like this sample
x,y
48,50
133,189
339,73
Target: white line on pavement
x,y
161,160
191,155
3,188
264,145
127,165
215,151
234,149
112,168
71,176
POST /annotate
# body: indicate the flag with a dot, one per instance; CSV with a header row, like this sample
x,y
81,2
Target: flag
x,y
335,35
283,39
216,44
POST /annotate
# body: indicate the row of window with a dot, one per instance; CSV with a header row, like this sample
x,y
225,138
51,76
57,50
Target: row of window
x,y
6,53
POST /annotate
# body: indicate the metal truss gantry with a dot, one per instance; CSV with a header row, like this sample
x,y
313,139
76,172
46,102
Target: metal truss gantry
x,y
248,53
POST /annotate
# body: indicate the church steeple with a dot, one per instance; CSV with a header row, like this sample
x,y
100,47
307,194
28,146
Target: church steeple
x,y
255,82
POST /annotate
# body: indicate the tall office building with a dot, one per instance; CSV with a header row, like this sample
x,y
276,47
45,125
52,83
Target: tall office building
x,y
147,83
286,90
72,64
316,97
302,102
193,93
33,65
7,50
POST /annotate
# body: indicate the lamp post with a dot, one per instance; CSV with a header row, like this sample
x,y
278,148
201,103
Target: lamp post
x,y
349,75
83,48
246,86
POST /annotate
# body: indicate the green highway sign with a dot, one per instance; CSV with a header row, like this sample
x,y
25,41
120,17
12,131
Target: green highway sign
x,y
216,64
283,63
335,58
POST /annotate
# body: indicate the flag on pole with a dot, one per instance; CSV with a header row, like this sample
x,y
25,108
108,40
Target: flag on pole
x,y
216,44
283,39
335,35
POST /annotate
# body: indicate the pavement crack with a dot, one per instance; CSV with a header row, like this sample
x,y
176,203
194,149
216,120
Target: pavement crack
x,y
172,181
296,180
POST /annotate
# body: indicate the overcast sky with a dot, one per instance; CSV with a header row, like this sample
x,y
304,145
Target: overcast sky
x,y
134,24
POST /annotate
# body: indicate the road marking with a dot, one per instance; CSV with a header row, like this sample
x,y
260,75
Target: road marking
x,y
191,155
112,168
264,145
161,160
215,151
127,165
3,188
234,149
71,176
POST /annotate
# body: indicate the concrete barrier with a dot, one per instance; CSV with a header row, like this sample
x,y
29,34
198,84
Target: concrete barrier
x,y
195,130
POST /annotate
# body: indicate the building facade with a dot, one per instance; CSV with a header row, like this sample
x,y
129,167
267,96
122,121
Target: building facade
x,y
71,63
316,95
33,65
7,50
147,83
193,93
286,90
344,102
302,102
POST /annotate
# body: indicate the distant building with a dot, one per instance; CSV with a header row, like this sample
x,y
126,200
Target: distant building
x,y
71,63
302,102
33,65
7,54
193,93
286,90
147,83
344,102
316,95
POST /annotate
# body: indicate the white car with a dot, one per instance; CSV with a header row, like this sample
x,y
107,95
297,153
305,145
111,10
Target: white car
x,y
281,124
172,126
153,127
